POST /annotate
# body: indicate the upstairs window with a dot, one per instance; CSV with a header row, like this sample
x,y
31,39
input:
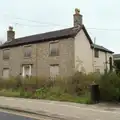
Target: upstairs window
x,y
54,49
6,54
96,53
27,51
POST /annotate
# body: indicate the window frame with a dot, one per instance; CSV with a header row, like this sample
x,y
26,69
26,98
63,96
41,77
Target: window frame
x,y
23,70
57,53
4,58
27,47
96,53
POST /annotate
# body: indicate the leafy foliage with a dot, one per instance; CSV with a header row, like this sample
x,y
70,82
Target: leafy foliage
x,y
74,88
110,87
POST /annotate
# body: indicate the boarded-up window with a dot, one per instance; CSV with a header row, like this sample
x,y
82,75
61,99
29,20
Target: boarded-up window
x,y
5,73
54,49
27,51
96,53
54,70
6,54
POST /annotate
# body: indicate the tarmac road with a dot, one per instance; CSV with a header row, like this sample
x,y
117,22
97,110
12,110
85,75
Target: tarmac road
x,y
13,116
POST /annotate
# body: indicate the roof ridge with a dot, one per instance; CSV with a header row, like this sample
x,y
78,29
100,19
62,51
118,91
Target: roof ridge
x,y
45,32
46,36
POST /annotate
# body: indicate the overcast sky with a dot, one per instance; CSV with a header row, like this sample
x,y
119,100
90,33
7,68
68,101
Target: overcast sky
x,y
35,16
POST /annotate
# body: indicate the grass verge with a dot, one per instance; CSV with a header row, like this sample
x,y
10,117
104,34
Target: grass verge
x,y
84,99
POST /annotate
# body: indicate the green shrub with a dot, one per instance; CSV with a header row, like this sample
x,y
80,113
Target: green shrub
x,y
110,87
41,93
80,82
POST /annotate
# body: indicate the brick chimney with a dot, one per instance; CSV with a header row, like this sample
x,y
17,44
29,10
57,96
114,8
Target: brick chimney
x,y
77,18
10,34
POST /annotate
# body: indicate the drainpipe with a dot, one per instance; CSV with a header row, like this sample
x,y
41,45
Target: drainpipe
x,y
36,62
106,68
36,68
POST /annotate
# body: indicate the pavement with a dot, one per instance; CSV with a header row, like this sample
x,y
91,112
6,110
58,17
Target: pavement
x,y
62,110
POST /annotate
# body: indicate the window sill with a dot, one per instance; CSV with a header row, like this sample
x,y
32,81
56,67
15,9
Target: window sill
x,y
96,57
6,59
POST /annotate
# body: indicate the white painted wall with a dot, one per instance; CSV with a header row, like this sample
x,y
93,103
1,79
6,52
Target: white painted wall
x,y
84,55
100,63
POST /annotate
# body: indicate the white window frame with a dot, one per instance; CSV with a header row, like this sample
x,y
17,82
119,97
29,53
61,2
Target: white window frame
x,y
30,70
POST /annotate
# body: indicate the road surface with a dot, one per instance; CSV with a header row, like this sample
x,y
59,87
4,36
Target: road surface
x,y
4,115
63,109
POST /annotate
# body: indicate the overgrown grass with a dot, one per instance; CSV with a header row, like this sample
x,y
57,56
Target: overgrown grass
x,y
72,89
9,93
48,96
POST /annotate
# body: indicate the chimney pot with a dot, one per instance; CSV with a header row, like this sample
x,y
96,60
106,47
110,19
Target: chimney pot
x,y
77,18
10,28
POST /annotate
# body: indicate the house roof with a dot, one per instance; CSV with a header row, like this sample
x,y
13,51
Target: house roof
x,y
101,48
48,36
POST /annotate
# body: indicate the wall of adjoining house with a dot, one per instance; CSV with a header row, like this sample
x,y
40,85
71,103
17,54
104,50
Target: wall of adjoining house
x,y
102,62
84,56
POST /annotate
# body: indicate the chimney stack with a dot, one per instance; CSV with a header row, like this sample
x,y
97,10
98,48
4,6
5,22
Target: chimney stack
x,y
77,18
10,34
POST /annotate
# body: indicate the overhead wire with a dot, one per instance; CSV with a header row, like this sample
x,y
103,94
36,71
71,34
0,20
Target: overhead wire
x,y
46,24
